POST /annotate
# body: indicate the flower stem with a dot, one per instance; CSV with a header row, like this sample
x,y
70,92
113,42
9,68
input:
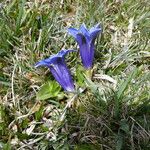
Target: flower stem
x,y
68,105
89,73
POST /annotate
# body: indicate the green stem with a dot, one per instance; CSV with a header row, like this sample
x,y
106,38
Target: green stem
x,y
88,73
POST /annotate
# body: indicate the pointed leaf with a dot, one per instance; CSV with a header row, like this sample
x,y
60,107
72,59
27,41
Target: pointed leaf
x,y
125,84
48,90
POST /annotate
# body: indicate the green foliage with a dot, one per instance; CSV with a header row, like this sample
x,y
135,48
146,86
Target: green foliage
x,y
86,147
49,90
124,85
105,115
121,89
7,146
80,76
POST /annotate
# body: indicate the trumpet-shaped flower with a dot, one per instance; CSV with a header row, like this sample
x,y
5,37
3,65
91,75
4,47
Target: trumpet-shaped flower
x,y
56,64
86,39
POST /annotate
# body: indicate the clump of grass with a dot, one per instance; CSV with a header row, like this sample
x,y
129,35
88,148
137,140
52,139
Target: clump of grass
x,y
112,118
112,112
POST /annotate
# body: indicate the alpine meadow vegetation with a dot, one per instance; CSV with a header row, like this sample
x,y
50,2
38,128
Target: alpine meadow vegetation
x,y
74,75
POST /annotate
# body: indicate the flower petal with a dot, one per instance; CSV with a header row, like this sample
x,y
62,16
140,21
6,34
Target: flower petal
x,y
62,75
94,31
64,52
53,59
58,68
83,29
87,54
81,39
97,26
86,39
73,32
45,62
76,34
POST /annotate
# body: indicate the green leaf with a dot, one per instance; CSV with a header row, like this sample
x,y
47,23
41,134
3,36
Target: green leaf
x,y
86,147
49,90
7,146
121,91
20,14
124,126
91,85
39,113
119,142
80,76
125,84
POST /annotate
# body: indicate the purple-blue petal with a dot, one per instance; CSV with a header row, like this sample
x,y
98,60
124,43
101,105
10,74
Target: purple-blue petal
x,y
64,52
46,62
83,29
97,26
81,39
58,68
53,59
87,55
73,32
94,31
62,75
86,39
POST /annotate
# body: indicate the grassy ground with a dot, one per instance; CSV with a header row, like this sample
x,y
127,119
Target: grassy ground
x,y
113,112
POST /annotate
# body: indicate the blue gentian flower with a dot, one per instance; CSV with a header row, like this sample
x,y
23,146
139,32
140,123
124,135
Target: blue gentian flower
x,y
56,64
86,39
